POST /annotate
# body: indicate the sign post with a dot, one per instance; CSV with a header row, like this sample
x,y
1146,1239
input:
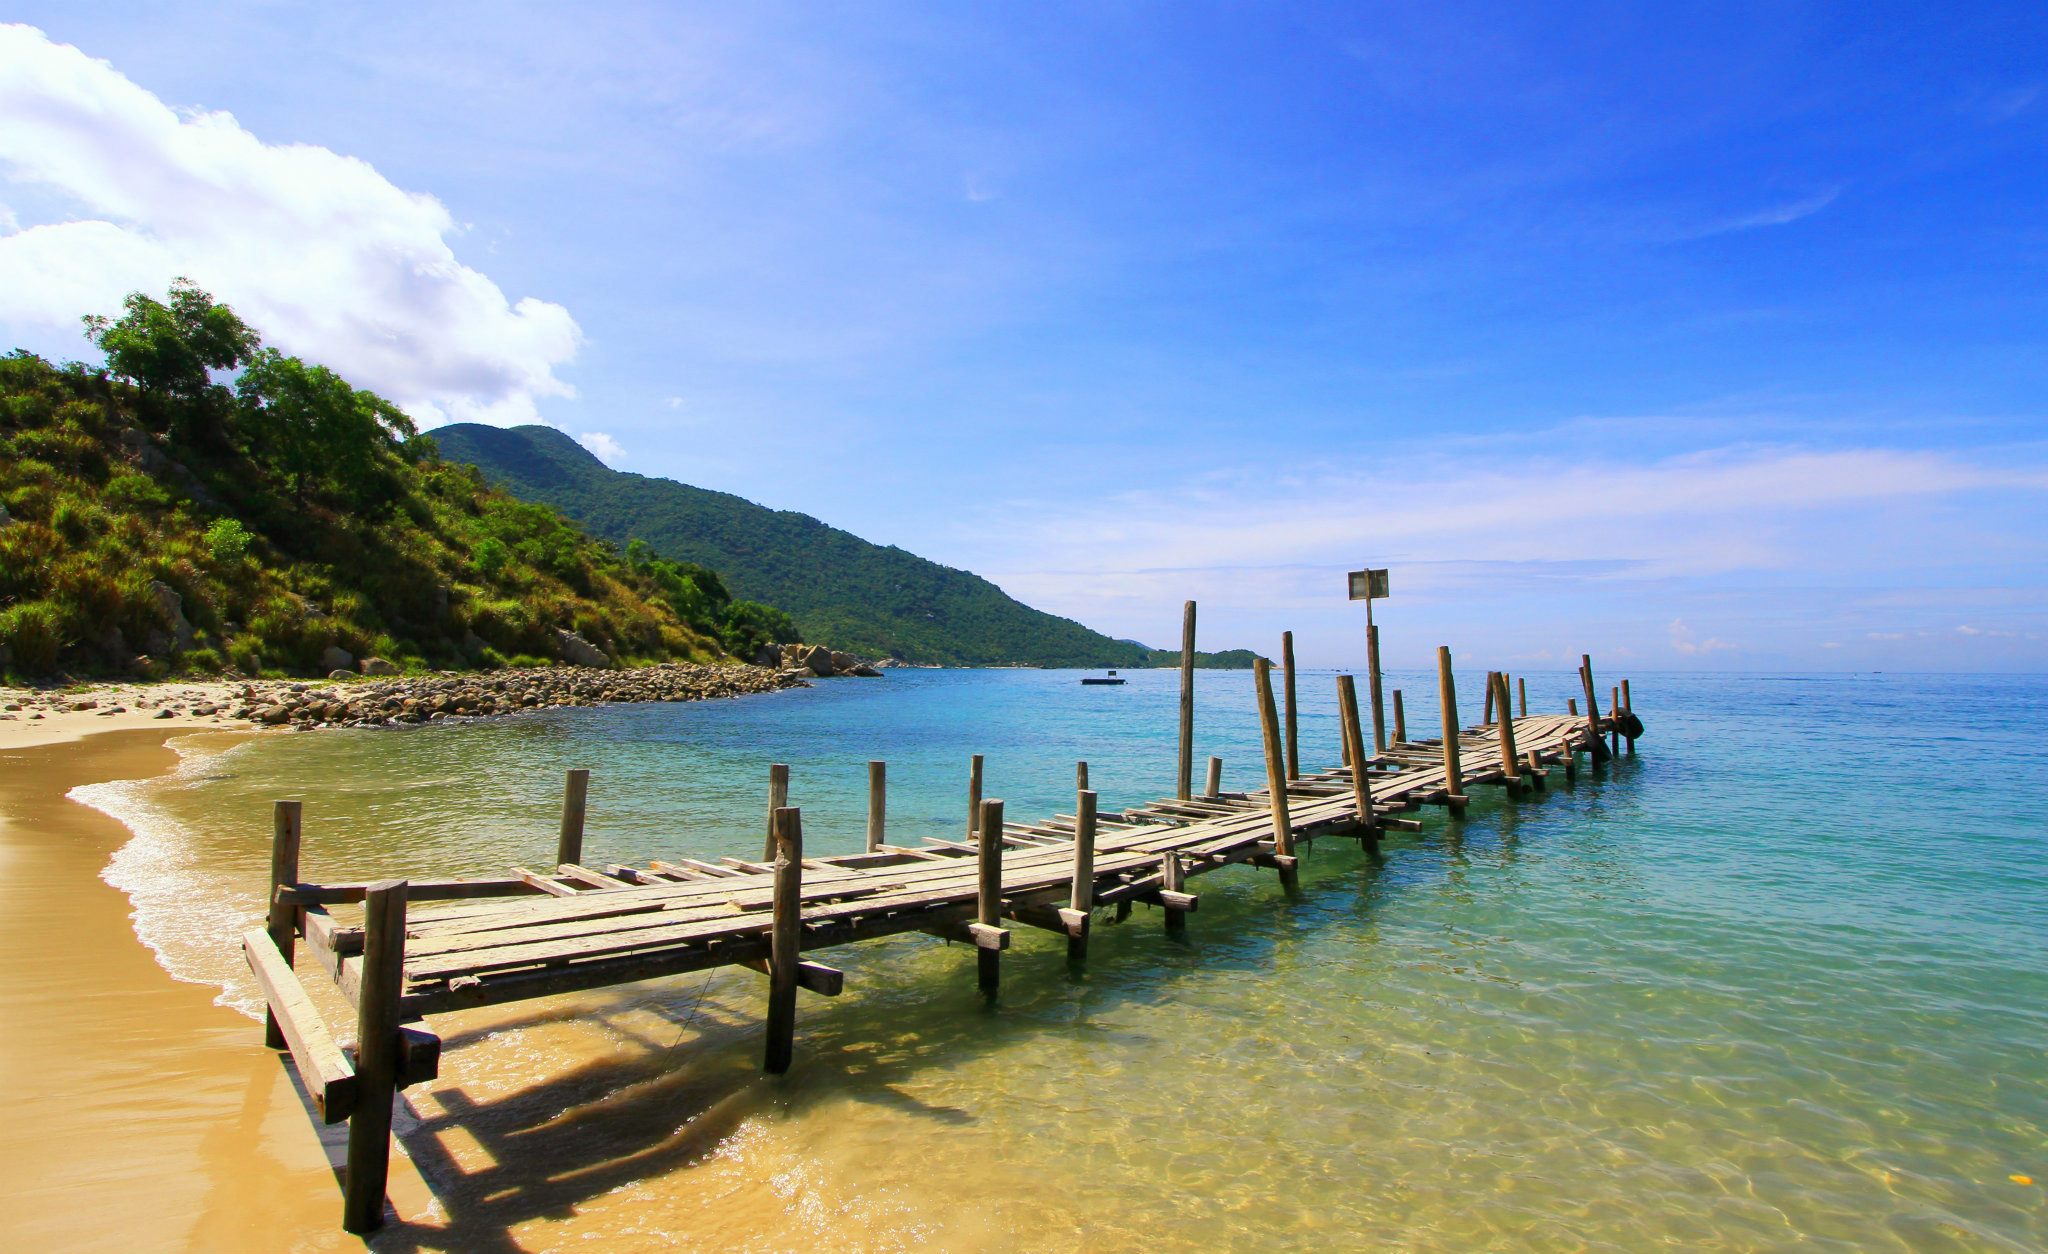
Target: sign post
x,y
1370,585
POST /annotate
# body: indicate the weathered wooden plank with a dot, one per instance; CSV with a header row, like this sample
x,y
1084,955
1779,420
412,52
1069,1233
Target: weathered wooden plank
x,y
329,1078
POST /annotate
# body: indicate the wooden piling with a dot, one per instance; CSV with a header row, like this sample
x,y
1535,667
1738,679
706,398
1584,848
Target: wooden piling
x,y
778,798
878,805
1598,746
1400,721
575,795
1186,763
1288,705
973,796
1354,741
377,1057
1080,777
1510,764
283,921
1628,705
1173,878
1213,786
1276,769
1614,712
1521,696
1372,666
1486,717
988,901
785,939
1447,694
1081,896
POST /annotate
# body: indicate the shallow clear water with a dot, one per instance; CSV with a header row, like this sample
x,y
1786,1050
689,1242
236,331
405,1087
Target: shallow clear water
x,y
1778,980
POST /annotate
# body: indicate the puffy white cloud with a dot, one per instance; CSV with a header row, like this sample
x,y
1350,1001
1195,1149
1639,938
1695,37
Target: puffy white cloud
x,y
603,447
318,251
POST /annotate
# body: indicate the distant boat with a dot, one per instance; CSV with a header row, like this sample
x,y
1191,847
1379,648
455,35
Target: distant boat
x,y
1101,679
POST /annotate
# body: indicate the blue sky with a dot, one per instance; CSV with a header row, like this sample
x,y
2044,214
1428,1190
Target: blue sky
x,y
1692,336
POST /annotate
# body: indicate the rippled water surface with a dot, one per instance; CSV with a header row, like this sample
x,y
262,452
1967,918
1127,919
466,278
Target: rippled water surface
x,y
1779,980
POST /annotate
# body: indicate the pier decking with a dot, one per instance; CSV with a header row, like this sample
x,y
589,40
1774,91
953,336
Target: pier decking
x,y
572,926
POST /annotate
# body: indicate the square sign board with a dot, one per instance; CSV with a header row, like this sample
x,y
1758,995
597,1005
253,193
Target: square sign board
x,y
1368,585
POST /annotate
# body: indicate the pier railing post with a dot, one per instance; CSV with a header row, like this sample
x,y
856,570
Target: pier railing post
x,y
778,798
1081,895
1400,722
1213,785
973,796
785,939
575,800
1276,771
988,897
1597,745
1354,743
1185,764
1288,705
1521,696
1372,666
377,1054
283,920
1447,693
878,805
1510,765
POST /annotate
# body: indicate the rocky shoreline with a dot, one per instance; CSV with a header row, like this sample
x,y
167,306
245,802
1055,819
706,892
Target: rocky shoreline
x,y
395,701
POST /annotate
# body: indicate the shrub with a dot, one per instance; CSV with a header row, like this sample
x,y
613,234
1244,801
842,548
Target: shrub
x,y
34,632
228,541
489,557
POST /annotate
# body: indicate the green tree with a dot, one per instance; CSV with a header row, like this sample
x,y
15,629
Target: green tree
x,y
171,349
316,429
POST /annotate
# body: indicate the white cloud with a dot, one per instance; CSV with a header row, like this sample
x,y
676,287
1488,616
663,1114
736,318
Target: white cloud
x,y
675,402
1775,215
318,251
1682,642
603,447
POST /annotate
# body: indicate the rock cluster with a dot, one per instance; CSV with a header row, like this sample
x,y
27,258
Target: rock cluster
x,y
814,659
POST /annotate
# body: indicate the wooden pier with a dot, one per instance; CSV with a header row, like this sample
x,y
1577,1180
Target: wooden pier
x,y
420,948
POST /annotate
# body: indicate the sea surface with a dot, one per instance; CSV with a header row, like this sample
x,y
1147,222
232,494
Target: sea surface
x,y
1779,980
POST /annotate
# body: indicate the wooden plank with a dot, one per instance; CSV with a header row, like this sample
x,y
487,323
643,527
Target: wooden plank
x,y
550,886
329,1078
584,875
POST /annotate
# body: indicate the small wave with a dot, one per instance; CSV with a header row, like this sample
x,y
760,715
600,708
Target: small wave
x,y
179,909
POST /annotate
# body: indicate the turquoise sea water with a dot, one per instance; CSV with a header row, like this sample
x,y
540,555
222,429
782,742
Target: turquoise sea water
x,y
1780,980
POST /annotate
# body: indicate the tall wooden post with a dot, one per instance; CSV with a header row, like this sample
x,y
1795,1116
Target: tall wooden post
x,y
1522,696
1184,780
1081,895
575,796
1613,713
1372,665
1080,777
988,899
1447,693
973,796
1400,720
1276,770
1486,717
778,798
1213,786
785,939
1288,704
283,922
377,1049
1510,765
1599,746
878,805
1628,705
1354,742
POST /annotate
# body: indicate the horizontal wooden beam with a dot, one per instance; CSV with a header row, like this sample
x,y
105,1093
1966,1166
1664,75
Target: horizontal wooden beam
x,y
329,1077
814,976
419,890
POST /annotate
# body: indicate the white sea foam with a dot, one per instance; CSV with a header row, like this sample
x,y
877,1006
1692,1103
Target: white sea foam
x,y
182,910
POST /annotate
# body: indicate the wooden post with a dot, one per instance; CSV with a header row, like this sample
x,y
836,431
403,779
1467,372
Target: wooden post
x,y
1400,721
1628,705
1571,705
1080,777
1447,693
988,897
1486,718
1522,696
1288,704
1510,765
283,923
1081,896
575,794
377,1051
1372,665
1354,743
1613,712
1276,770
1213,786
878,804
1173,879
778,798
1598,747
1186,777
785,939
973,796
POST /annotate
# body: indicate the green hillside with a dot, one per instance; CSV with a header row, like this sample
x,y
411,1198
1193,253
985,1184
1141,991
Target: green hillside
x,y
155,519
840,589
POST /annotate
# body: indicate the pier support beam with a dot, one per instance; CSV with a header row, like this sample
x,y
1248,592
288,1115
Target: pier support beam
x,y
1521,696
1598,745
1628,706
1486,717
377,1057
1185,776
988,900
1400,723
1354,746
778,798
1081,895
1172,879
1510,764
1276,774
1080,777
1288,705
785,939
575,798
283,922
1213,786
1447,693
973,796
878,805
1372,667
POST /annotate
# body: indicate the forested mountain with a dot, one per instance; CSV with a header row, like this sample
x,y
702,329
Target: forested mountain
x,y
841,589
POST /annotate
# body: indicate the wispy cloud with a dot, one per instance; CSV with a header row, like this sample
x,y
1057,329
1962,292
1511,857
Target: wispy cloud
x,y
1775,215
